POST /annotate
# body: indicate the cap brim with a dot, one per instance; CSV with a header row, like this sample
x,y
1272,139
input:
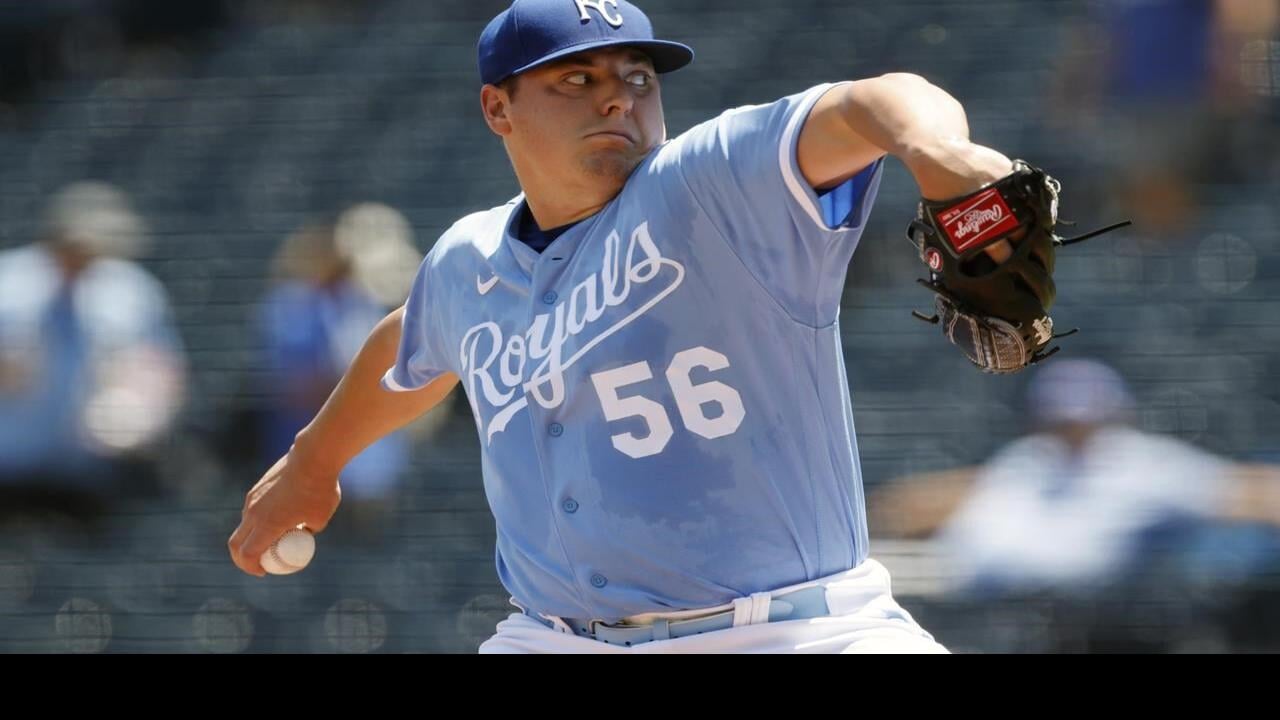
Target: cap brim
x,y
666,55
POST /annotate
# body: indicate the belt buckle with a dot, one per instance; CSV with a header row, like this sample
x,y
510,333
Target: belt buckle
x,y
591,627
625,635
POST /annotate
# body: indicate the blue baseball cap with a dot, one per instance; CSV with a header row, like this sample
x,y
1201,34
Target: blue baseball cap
x,y
533,32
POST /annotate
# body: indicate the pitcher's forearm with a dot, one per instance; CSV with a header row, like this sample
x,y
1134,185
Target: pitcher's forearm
x,y
360,411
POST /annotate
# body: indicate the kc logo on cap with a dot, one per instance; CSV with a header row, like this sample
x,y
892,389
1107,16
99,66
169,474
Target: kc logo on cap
x,y
599,6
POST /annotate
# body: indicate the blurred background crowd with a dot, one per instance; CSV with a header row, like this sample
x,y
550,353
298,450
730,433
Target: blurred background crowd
x,y
205,207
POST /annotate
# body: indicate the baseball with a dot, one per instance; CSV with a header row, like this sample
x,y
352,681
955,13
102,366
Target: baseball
x,y
290,553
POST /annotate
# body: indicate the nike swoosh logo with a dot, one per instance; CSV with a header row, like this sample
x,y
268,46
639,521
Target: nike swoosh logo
x,y
487,285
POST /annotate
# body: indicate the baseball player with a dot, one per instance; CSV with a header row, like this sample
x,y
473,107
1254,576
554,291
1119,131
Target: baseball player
x,y
648,338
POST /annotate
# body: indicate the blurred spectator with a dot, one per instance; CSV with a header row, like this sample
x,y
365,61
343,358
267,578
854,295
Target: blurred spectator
x,y
1068,505
333,283
1087,507
91,369
1163,94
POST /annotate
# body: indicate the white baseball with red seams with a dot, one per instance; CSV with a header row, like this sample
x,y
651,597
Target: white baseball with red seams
x,y
292,552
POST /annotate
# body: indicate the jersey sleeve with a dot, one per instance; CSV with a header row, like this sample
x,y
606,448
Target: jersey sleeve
x,y
421,356
742,171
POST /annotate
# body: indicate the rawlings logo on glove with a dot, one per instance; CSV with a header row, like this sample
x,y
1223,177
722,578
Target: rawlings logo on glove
x,y
978,220
997,314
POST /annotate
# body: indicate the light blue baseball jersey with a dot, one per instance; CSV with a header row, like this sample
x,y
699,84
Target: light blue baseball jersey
x,y
660,395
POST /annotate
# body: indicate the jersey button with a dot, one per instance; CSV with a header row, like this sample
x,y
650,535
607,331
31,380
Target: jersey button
x,y
570,506
599,581
556,429
550,297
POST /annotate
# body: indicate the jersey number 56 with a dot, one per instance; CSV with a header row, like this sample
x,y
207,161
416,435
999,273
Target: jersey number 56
x,y
691,400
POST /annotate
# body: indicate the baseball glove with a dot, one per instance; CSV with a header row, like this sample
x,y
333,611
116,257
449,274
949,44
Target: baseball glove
x,y
996,313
